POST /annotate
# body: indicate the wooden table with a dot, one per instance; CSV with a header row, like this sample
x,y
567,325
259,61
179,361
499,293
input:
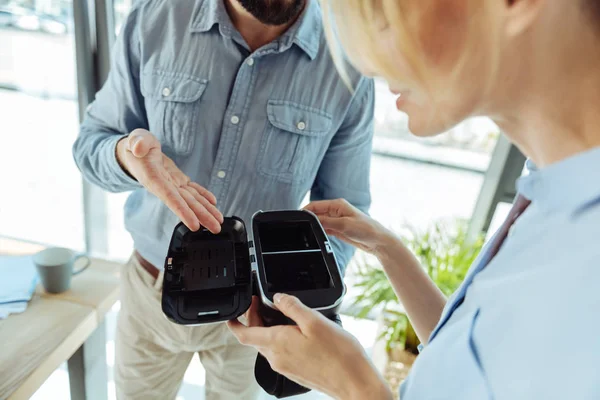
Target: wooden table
x,y
57,328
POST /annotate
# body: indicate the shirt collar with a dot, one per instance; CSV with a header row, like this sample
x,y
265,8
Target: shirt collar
x,y
208,13
569,184
306,32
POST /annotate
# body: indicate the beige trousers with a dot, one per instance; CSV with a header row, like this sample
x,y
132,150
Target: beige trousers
x,y
152,353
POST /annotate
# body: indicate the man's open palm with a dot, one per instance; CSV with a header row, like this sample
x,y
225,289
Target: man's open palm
x,y
140,153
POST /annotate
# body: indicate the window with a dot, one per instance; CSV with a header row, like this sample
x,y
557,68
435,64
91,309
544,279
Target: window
x,y
417,181
122,8
42,194
414,181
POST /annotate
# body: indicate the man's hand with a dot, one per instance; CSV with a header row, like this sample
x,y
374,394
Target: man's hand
x,y
141,156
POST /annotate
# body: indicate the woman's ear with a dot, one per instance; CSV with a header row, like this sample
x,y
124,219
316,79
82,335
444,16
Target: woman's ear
x,y
520,14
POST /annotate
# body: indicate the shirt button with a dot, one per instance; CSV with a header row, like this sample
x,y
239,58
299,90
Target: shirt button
x,y
221,174
250,61
166,92
301,125
235,120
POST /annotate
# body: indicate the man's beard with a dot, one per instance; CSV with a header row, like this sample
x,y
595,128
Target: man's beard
x,y
274,12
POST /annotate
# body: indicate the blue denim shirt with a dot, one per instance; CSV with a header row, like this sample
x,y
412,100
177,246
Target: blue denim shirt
x,y
259,129
528,325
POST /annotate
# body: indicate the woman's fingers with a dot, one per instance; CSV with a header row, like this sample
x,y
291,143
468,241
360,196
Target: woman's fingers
x,y
252,315
336,224
323,207
254,336
202,214
333,208
293,308
348,240
319,207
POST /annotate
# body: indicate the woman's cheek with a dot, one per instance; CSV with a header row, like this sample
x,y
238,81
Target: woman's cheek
x,y
441,28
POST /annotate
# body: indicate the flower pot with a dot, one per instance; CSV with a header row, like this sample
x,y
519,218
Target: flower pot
x,y
395,364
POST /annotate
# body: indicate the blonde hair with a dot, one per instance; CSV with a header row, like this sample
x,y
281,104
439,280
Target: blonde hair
x,y
360,28
366,19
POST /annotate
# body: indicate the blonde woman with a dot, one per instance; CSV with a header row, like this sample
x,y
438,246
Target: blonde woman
x,y
525,323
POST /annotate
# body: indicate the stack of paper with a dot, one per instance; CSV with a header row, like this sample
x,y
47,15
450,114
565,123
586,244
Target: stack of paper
x,y
17,284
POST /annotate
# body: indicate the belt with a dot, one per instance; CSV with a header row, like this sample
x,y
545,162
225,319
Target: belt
x,y
151,269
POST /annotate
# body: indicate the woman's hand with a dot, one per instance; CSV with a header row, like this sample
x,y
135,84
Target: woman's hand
x,y
420,297
346,222
316,353
141,156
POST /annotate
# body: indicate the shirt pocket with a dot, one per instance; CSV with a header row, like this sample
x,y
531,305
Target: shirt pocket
x,y
453,362
293,142
172,104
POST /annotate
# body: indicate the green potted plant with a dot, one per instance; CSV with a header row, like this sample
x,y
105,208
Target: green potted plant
x,y
446,253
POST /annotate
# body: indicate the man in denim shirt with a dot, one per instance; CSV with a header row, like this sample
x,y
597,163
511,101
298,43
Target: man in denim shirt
x,y
233,103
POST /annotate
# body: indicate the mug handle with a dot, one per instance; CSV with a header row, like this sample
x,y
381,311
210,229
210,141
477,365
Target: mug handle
x,y
86,265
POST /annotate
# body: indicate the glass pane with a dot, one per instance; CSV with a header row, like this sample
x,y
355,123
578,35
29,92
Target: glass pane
x,y
120,244
122,8
42,196
417,194
418,181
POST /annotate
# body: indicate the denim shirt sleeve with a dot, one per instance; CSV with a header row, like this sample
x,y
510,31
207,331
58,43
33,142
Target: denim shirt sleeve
x,y
345,169
117,110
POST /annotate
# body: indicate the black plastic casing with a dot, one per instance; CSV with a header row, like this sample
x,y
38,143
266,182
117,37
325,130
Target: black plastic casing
x,y
211,278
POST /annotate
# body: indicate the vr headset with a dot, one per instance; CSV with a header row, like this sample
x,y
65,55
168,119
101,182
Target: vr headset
x,y
211,278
